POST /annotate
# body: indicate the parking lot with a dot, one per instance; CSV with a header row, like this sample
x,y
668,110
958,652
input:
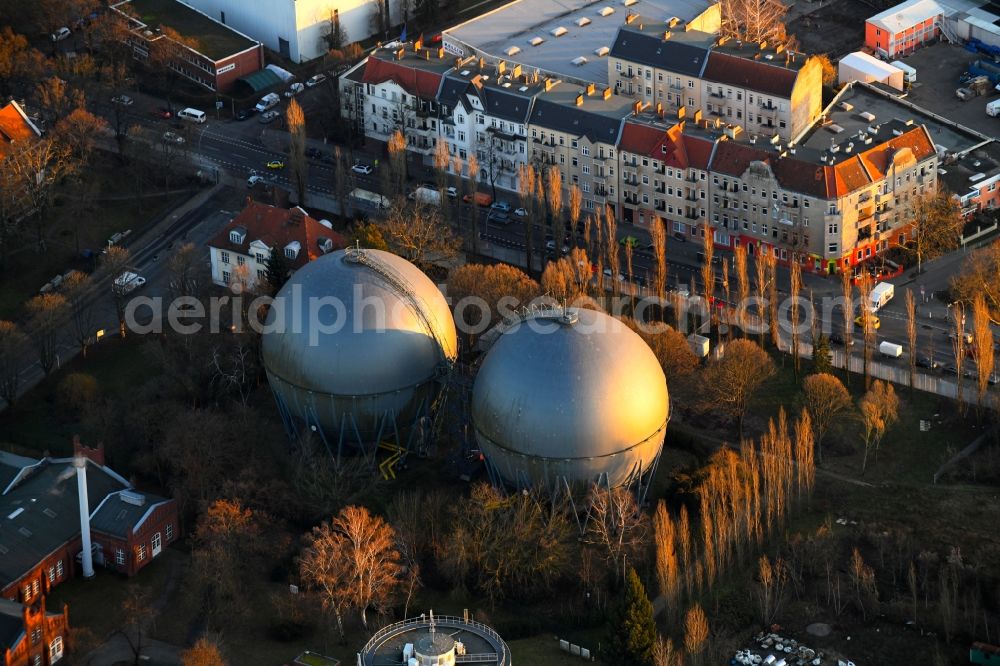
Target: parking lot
x,y
938,68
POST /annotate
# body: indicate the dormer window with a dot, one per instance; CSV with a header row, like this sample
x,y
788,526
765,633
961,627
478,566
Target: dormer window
x,y
237,235
292,250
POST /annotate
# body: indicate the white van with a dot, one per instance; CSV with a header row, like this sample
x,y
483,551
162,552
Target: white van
x,y
268,101
192,115
909,73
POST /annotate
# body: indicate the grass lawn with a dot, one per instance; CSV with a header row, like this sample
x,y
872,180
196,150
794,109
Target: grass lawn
x,y
38,423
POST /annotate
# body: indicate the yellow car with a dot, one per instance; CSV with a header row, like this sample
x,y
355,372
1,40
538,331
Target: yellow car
x,y
275,164
874,321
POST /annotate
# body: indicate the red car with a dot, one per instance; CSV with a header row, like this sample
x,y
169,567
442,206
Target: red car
x,y
162,113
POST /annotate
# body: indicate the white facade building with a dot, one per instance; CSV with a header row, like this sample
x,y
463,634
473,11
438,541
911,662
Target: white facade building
x,y
294,28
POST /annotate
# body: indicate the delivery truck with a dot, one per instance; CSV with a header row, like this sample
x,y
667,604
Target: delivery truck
x,y
890,349
426,196
881,294
993,108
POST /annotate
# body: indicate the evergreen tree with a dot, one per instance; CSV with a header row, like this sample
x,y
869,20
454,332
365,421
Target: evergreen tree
x,y
821,355
633,630
368,235
276,270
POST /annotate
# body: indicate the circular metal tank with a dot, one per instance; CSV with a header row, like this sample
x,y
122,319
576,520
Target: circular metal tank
x,y
575,396
355,342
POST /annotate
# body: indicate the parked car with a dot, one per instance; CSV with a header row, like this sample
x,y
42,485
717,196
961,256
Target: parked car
x,y
926,362
269,117
679,235
860,323
451,192
294,89
122,100
608,273
162,113
244,114
313,153
170,137
837,338
255,179
501,205
60,34
315,80
520,212
363,169
275,165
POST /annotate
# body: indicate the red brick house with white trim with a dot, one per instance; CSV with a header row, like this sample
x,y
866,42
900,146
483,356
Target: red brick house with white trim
x,y
30,635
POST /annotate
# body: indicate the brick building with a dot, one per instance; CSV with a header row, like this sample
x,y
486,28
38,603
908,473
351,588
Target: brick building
x,y
40,538
213,56
30,635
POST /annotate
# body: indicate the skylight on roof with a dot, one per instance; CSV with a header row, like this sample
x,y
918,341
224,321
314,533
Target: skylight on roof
x,y
607,11
582,21
602,51
579,61
535,41
513,50
559,32
523,88
464,72
629,3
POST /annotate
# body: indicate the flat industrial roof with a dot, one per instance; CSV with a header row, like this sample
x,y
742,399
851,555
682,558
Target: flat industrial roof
x,y
586,26
208,37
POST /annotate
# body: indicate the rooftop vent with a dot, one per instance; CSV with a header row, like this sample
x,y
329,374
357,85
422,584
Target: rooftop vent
x,y
559,32
673,21
464,72
606,11
976,177
535,41
868,116
897,132
846,106
602,51
133,498
506,84
834,128
580,60
768,56
582,21
514,50
25,532
523,88
629,3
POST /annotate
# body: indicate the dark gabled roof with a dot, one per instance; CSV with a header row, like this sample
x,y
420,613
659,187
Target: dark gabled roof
x,y
12,629
506,105
46,505
10,466
11,624
576,121
676,56
117,517
453,92
759,75
262,79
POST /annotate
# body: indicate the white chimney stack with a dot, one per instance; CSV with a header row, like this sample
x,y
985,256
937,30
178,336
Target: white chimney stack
x,y
80,463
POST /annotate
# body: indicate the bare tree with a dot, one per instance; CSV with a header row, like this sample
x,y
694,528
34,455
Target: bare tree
x,y
936,225
696,634
958,348
296,120
138,613
553,192
205,652
911,334
35,169
353,561
771,263
879,410
742,285
772,580
665,654
12,345
760,273
77,288
629,249
827,400
983,335
46,317
796,289
418,234
754,20
980,275
707,270
116,262
658,236
865,284
667,564
731,382
615,525
575,201
397,161
613,247
847,314
526,177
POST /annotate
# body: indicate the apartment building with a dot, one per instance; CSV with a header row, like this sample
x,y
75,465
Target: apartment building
x,y
764,89
239,253
577,130
664,174
973,178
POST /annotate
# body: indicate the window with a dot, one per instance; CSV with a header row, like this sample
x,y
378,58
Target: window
x,y
52,574
586,169
140,553
574,161
573,143
240,260
224,257
36,636
59,569
157,544
34,587
260,273
55,649
234,237
480,120
831,248
618,66
120,557
290,253
36,660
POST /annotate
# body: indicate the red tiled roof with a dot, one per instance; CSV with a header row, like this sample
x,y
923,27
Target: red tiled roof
x,y
909,147
666,146
277,227
698,151
758,75
14,127
415,81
